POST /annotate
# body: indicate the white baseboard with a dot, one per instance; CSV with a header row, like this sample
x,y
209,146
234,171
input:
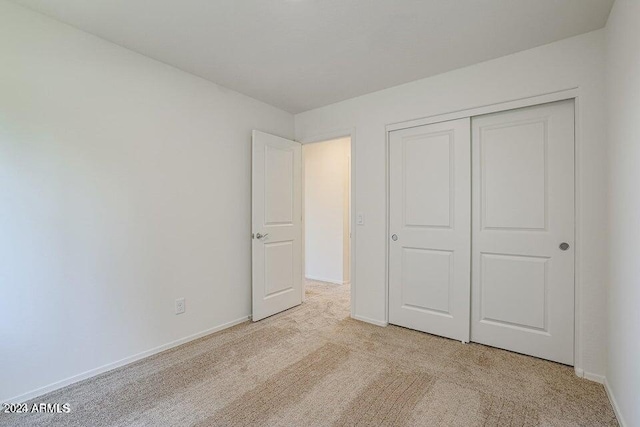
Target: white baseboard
x,y
603,380
579,372
368,320
614,404
324,279
122,362
600,379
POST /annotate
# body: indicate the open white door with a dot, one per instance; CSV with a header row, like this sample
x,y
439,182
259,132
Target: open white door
x,y
276,225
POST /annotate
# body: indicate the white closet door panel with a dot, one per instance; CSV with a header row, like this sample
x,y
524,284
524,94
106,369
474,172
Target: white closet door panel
x,y
523,209
429,278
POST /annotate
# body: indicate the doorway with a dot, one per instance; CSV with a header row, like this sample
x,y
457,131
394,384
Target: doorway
x,y
279,267
326,207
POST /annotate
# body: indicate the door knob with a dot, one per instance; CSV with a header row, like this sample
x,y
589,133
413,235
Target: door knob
x,y
261,236
394,237
564,246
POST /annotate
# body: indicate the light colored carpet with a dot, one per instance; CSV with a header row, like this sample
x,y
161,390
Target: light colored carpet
x,y
313,365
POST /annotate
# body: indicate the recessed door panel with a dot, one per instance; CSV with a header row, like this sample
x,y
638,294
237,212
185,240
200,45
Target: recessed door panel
x,y
430,231
427,280
513,290
278,185
278,275
427,180
513,166
523,211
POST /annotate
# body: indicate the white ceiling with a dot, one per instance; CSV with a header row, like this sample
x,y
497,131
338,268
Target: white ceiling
x,y
303,54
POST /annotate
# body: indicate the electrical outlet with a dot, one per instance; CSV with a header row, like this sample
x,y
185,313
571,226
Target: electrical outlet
x,y
360,219
180,308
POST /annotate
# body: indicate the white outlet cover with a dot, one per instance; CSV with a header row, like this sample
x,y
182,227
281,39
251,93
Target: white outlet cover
x,y
360,219
180,306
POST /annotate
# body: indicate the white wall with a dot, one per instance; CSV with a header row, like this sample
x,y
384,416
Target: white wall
x,y
623,90
124,184
575,62
325,204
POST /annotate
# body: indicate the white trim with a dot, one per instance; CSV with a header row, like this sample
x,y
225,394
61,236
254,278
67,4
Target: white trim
x,y
387,224
600,379
577,232
303,232
486,109
369,320
122,362
328,136
614,404
321,279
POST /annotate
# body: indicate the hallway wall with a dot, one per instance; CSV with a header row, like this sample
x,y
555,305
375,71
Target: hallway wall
x,y
326,192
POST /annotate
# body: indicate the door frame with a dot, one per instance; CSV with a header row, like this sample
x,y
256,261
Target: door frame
x,y
562,95
325,137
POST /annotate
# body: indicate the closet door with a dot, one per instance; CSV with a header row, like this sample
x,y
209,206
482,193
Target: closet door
x,y
523,231
430,221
